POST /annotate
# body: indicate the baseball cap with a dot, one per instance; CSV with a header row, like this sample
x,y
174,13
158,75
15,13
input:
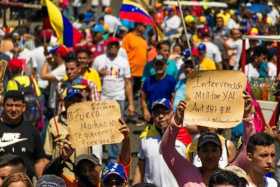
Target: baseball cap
x,y
14,94
111,40
92,158
208,137
50,181
113,168
162,102
16,64
10,158
201,48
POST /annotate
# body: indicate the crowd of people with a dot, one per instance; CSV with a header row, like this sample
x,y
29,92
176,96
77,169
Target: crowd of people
x,y
146,72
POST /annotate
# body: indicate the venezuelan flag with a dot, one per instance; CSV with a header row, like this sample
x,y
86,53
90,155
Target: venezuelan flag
x,y
60,24
135,12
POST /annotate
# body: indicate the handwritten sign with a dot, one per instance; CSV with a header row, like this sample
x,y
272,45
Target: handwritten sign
x,y
215,99
92,123
3,65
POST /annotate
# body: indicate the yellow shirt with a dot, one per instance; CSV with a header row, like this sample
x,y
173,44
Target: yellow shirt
x,y
25,82
93,76
207,64
137,51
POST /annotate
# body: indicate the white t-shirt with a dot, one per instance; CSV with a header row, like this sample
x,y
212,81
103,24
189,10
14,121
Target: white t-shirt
x,y
112,21
270,182
272,69
156,170
59,73
237,46
251,71
113,83
213,52
38,58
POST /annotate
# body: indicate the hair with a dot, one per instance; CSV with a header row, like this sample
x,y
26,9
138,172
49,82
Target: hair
x,y
220,177
15,95
165,42
259,139
17,177
83,50
71,57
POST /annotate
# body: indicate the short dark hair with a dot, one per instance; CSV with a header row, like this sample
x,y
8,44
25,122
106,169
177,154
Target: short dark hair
x,y
83,50
261,139
71,57
15,95
220,177
165,42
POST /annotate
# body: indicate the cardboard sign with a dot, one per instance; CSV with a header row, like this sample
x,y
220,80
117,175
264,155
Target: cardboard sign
x,y
92,123
3,66
215,99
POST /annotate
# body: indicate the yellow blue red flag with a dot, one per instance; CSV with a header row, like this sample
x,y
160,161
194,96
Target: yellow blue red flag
x,y
60,24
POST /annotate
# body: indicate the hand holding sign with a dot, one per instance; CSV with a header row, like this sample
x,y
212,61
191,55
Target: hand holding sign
x,y
215,99
92,123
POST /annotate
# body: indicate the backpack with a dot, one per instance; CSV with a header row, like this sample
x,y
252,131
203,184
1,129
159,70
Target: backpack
x,y
33,110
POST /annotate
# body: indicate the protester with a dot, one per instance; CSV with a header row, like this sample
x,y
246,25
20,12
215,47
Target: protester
x,y
209,153
72,52
10,163
157,87
163,49
226,178
21,138
151,166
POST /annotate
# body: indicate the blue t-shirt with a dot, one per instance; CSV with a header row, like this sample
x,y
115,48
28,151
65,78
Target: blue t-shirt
x,y
263,70
149,69
158,89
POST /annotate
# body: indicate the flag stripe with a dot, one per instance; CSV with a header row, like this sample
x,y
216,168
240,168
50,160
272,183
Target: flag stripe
x,y
56,20
131,8
61,25
136,5
67,32
135,17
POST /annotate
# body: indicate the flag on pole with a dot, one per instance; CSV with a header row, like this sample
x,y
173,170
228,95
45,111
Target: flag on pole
x,y
60,24
134,12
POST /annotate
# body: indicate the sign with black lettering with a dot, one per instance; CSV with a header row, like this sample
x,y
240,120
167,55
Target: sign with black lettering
x,y
92,123
215,99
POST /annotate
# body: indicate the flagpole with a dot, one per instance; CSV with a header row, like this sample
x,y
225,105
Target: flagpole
x,y
184,24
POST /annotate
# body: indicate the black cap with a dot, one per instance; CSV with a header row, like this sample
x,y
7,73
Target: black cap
x,y
8,158
209,137
14,94
92,158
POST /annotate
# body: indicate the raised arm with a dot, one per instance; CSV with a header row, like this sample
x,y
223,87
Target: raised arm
x,y
241,159
184,171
